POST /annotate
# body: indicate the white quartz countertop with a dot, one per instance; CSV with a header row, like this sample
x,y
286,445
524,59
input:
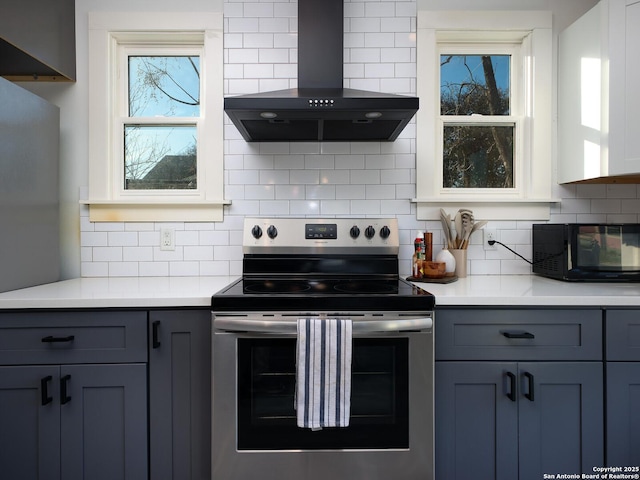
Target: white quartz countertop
x,y
160,292
118,292
514,290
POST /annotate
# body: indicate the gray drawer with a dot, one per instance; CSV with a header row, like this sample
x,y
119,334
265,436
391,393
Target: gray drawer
x,y
73,337
518,334
623,335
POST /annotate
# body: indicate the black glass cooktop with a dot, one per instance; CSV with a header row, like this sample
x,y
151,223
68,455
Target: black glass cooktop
x,y
322,294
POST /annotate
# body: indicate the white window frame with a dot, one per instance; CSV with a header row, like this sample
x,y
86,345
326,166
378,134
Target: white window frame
x,y
112,36
527,36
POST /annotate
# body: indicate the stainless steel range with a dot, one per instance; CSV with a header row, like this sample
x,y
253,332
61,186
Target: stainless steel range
x,y
301,269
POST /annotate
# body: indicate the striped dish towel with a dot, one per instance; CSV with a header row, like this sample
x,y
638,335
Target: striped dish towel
x,y
323,378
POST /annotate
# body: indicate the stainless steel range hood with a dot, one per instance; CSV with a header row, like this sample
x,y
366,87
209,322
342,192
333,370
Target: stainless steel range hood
x,y
320,109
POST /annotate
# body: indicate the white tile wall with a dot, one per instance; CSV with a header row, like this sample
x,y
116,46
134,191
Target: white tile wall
x,y
310,179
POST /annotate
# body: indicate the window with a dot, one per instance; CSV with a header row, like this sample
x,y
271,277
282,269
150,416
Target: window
x,y
160,127
156,150
475,109
484,125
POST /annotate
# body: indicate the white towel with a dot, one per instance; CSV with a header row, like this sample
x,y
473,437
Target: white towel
x,y
323,379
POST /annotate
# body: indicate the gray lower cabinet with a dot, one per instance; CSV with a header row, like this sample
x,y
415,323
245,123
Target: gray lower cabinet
x,y
63,413
623,387
518,393
180,394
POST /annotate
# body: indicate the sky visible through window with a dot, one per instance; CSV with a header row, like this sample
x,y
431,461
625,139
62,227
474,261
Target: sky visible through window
x,y
476,155
161,87
459,69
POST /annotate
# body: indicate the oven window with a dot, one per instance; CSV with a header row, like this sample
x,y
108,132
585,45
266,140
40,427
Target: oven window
x,y
379,397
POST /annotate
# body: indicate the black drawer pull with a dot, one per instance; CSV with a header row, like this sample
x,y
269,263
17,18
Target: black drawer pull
x,y
64,397
529,394
52,339
511,386
155,334
517,334
44,390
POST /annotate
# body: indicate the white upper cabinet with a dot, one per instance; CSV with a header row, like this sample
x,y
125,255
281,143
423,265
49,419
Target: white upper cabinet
x,y
598,95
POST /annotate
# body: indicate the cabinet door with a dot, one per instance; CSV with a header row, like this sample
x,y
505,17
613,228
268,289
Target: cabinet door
x,y
29,423
624,78
476,435
180,394
104,422
561,418
623,414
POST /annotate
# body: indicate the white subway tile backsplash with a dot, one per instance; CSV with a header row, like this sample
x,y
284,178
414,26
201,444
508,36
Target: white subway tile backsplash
x,y
94,269
379,70
304,208
362,24
602,205
322,179
382,192
350,192
274,55
187,237
137,254
259,192
289,192
198,253
153,269
274,25
122,239
305,177
335,207
379,40
259,70
396,55
258,40
93,239
184,269
123,269
395,24
365,55
243,25
379,9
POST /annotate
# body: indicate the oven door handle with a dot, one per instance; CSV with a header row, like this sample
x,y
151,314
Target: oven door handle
x,y
288,326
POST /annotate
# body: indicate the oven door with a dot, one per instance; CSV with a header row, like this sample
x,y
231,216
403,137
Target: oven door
x,y
390,434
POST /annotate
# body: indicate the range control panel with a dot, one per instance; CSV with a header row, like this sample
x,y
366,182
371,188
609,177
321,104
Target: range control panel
x,y
317,235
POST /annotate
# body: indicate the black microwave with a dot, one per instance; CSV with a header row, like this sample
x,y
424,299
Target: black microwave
x,y
587,252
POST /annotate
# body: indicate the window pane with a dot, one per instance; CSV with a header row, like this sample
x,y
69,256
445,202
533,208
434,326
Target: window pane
x,y
164,86
160,157
474,84
478,156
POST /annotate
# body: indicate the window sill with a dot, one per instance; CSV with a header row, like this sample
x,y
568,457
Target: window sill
x,y
158,211
487,209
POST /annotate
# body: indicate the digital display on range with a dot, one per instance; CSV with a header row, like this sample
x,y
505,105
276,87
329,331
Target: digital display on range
x,y
321,231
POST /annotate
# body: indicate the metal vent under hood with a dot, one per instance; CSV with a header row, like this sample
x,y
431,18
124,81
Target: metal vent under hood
x,y
320,109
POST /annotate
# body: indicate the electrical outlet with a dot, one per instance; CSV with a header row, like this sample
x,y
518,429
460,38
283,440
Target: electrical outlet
x,y
489,234
167,239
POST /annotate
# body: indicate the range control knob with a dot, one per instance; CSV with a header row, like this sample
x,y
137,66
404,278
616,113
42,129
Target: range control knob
x,y
354,232
272,231
256,231
385,232
369,232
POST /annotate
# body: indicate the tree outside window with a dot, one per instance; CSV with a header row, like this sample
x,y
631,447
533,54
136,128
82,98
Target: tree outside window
x,y
160,134
478,139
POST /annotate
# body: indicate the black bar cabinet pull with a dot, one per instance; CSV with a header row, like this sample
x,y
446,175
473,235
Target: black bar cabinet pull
x,y
155,335
529,394
52,339
44,390
511,392
64,381
517,334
